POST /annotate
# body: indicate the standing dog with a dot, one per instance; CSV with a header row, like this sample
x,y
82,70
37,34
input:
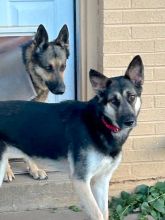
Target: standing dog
x,y
45,62
89,134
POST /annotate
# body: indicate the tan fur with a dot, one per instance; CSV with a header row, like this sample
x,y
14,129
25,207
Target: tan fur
x,y
9,176
39,75
55,62
34,171
35,74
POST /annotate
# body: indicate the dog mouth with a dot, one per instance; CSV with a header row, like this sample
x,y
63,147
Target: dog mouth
x,y
57,92
109,125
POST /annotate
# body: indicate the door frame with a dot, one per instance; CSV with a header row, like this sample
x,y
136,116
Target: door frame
x,y
88,41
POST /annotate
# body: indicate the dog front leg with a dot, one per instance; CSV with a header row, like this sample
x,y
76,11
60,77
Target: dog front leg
x,y
33,169
87,199
9,175
100,189
3,165
100,186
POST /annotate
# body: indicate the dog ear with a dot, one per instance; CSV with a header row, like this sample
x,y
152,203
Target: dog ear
x,y
41,37
135,71
98,81
63,37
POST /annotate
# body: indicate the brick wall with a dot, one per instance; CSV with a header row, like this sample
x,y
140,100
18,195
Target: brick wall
x,y
133,27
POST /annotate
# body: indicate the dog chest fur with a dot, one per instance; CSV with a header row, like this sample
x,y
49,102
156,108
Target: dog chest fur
x,y
101,165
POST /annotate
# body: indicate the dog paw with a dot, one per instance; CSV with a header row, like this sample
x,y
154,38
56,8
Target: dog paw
x,y
38,174
9,176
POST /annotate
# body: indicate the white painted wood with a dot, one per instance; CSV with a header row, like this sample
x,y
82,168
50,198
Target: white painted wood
x,y
17,31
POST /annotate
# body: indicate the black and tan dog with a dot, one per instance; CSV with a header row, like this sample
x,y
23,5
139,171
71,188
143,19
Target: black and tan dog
x,y
45,62
89,134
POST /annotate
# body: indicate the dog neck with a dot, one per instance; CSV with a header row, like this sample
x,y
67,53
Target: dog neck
x,y
39,85
41,95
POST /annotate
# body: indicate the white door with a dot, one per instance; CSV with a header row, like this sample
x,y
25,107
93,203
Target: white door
x,y
26,15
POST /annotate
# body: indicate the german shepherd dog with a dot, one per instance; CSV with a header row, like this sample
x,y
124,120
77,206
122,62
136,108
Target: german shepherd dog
x,y
45,62
89,134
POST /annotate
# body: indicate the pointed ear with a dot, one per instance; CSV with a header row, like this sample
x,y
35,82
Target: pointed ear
x,y
98,80
135,71
41,37
63,37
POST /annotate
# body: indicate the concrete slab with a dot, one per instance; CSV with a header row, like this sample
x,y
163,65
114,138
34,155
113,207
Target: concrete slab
x,y
24,193
51,214
60,214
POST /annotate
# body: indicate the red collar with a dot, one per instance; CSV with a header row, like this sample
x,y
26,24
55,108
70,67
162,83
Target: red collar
x,y
111,127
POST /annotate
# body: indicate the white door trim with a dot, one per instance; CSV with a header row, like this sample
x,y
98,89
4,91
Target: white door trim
x,y
17,31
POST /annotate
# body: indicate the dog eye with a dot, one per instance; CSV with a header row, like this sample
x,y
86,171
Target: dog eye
x,y
131,98
114,101
62,68
49,68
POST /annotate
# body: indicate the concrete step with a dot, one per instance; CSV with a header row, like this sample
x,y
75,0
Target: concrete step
x,y
60,214
25,193
50,214
28,199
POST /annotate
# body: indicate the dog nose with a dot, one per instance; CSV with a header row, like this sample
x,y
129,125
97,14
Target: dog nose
x,y
56,88
129,123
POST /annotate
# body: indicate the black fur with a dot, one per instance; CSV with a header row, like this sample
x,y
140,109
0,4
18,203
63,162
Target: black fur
x,y
50,130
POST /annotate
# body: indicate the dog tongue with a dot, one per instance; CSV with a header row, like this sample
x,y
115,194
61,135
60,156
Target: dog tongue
x,y
111,127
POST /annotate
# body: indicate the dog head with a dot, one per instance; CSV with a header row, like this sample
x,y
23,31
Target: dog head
x,y
49,58
119,97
